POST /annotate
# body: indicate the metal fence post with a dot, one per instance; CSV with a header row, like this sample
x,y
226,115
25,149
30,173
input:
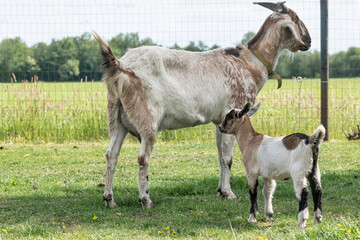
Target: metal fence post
x,y
324,67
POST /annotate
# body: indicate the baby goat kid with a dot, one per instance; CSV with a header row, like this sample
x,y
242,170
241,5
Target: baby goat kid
x,y
277,158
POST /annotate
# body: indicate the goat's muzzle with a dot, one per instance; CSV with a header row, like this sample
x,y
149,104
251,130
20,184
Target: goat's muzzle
x,y
306,43
304,47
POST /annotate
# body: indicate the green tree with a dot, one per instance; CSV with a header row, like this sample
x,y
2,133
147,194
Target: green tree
x,y
88,55
69,69
58,54
16,57
40,51
353,59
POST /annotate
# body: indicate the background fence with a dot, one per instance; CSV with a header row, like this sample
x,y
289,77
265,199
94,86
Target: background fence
x,y
49,67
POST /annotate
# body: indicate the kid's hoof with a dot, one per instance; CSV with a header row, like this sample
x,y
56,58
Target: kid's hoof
x,y
317,216
252,218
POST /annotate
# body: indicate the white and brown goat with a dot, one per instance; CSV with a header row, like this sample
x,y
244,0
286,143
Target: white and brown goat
x,y
154,88
277,158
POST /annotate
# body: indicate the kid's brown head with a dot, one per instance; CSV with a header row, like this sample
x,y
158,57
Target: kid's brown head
x,y
235,117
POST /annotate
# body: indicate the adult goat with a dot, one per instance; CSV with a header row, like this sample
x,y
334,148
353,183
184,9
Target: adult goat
x,y
154,88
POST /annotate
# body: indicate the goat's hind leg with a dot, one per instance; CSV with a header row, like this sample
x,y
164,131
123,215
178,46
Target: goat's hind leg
x,y
147,144
112,155
316,190
225,145
117,133
302,194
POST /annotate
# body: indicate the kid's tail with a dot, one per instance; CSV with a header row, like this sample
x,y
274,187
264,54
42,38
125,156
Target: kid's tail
x,y
318,136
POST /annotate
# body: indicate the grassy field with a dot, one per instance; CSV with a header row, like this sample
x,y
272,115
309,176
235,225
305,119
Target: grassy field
x,y
50,191
76,111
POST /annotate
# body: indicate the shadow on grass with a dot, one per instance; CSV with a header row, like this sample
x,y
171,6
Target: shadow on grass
x,y
186,204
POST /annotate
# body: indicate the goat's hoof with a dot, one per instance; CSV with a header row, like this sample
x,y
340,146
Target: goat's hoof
x,y
109,201
146,203
317,216
252,218
268,217
302,217
110,204
302,224
317,219
107,197
231,196
228,195
150,206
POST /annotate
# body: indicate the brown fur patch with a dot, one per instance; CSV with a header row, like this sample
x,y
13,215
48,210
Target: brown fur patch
x,y
234,51
291,141
113,112
134,101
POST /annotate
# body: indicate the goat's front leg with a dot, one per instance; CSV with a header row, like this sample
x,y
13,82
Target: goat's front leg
x,y
225,145
268,191
253,184
302,194
147,144
316,190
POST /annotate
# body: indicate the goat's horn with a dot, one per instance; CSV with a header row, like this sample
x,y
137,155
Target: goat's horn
x,y
284,9
269,5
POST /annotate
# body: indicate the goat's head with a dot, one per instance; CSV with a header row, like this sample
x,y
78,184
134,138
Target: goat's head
x,y
235,117
284,21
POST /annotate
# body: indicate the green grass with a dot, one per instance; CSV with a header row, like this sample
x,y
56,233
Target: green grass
x,y
57,183
76,111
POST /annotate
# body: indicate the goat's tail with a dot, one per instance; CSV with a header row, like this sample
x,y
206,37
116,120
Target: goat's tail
x,y
318,136
112,66
110,61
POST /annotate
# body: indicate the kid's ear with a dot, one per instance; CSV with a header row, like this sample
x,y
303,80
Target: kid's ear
x,y
253,110
243,111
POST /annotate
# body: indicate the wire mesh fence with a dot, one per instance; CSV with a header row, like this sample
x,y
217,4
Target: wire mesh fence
x,y
49,71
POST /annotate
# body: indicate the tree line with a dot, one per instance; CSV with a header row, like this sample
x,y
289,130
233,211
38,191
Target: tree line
x,y
72,58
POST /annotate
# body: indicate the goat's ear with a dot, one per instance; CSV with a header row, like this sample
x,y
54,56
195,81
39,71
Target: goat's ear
x,y
295,32
253,110
276,7
243,111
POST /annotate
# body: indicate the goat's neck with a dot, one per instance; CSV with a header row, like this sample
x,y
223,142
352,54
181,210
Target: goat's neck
x,y
269,46
245,133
